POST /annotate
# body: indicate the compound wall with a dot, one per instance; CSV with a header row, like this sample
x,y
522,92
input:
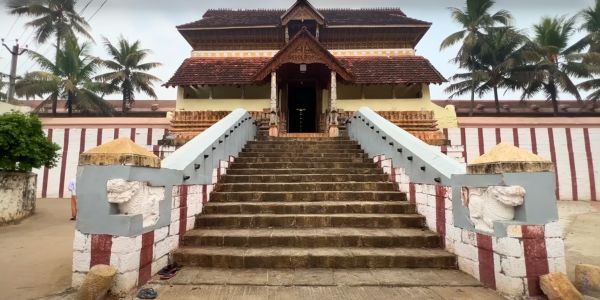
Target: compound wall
x,y
573,144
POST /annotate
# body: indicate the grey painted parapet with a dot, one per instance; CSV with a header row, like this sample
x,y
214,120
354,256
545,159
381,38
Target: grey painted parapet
x,y
192,164
424,165
199,157
97,216
539,206
379,136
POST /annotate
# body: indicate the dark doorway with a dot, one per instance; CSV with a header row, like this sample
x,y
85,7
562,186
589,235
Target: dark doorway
x,y
302,105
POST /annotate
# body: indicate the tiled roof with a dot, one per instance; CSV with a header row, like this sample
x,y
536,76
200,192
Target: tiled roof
x,y
388,70
199,71
231,18
367,70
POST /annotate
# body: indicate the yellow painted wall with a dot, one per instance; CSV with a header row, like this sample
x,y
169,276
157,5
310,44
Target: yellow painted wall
x,y
446,116
219,104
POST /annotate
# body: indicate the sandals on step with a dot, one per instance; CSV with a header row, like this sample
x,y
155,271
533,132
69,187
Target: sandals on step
x,y
169,271
148,293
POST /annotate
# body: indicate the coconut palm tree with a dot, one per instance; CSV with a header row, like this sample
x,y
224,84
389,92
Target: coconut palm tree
x,y
592,60
551,63
52,18
70,78
468,82
499,55
591,24
127,68
474,18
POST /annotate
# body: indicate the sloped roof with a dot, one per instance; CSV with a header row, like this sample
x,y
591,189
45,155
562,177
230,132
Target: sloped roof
x,y
333,17
392,69
366,70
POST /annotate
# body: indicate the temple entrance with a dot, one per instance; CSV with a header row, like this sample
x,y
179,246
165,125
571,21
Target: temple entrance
x,y
302,109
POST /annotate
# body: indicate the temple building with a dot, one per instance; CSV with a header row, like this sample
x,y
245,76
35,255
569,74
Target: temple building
x,y
306,68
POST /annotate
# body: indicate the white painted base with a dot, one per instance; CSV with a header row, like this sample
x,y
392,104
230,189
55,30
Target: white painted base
x,y
274,130
334,131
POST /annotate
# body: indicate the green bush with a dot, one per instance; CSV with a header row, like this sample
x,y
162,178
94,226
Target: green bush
x,y
23,144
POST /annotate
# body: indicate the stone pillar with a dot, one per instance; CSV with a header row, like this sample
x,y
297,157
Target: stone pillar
x,y
333,92
333,113
273,122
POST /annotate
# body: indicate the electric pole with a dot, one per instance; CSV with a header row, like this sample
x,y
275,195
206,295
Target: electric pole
x,y
16,51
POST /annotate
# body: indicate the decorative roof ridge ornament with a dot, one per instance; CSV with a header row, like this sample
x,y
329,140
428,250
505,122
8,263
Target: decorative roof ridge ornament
x,y
304,9
304,48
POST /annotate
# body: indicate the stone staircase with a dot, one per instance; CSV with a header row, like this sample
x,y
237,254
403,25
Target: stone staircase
x,y
309,203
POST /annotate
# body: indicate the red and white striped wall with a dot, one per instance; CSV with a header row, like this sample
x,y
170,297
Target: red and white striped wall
x,y
511,265
53,183
138,258
575,152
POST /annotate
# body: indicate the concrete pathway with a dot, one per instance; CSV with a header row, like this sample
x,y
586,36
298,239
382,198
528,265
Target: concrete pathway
x,y
37,253
580,221
323,293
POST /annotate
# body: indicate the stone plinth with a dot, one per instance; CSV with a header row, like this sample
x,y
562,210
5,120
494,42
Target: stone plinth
x,y
557,286
17,196
121,151
506,158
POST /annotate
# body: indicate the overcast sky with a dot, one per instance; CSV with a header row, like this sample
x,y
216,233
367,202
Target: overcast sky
x,y
153,23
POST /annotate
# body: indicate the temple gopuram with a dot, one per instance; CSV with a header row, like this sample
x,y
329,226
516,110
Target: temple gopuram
x,y
304,70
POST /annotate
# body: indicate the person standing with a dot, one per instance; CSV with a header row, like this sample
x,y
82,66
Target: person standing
x,y
73,190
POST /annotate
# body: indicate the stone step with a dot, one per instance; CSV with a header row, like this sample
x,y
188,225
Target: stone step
x,y
305,187
303,165
306,139
325,207
304,155
340,158
296,142
227,257
312,238
316,171
310,221
306,196
297,150
305,178
292,147
376,280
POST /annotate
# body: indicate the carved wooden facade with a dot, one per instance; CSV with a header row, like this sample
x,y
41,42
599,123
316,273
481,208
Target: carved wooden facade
x,y
303,49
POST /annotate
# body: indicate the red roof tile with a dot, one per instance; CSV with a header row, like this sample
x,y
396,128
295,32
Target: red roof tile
x,y
392,70
230,18
366,70
200,71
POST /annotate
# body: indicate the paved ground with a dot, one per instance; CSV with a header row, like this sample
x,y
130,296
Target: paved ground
x,y
581,221
36,254
36,262
324,293
322,284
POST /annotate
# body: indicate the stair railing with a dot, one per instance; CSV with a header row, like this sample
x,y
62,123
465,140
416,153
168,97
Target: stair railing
x,y
421,162
476,214
197,159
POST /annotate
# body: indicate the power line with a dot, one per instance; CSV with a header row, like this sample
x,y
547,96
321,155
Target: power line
x,y
13,26
48,47
98,10
86,6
